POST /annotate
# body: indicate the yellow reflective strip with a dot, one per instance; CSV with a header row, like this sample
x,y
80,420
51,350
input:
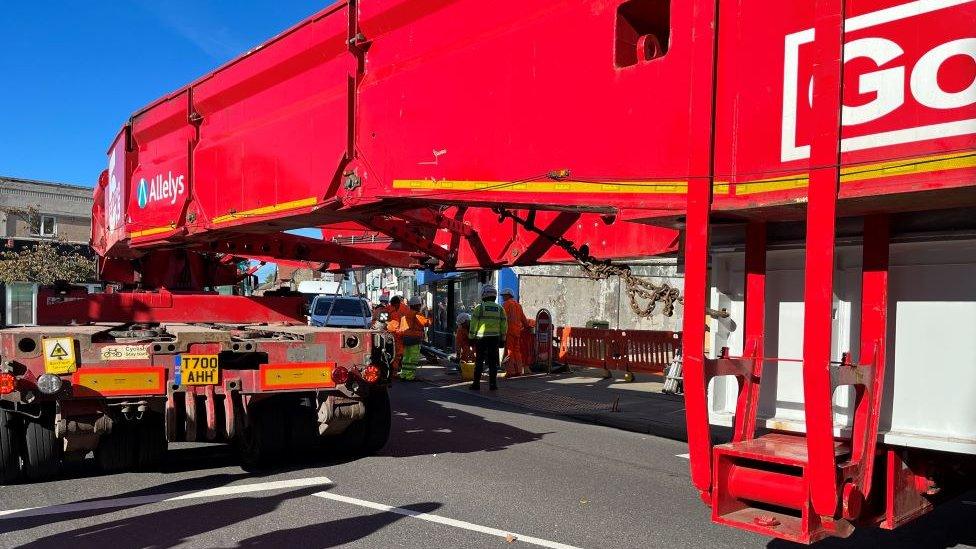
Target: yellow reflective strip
x,y
284,206
862,172
596,187
924,164
105,381
154,230
771,185
288,377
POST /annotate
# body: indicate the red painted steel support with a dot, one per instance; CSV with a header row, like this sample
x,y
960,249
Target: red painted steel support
x,y
701,163
210,406
301,248
755,329
693,332
399,230
818,284
874,327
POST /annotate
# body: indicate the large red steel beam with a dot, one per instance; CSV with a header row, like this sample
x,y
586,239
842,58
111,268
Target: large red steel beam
x,y
701,162
818,292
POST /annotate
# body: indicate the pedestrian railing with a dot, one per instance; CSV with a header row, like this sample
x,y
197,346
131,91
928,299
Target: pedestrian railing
x,y
647,351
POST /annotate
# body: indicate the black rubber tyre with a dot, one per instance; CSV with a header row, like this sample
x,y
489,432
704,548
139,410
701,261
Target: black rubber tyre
x,y
43,450
378,420
303,433
117,451
151,442
264,440
10,445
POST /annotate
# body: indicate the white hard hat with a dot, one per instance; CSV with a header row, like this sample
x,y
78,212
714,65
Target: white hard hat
x,y
508,291
384,298
415,300
463,317
488,290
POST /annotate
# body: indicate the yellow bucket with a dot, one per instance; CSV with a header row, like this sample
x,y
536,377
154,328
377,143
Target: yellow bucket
x,y
467,371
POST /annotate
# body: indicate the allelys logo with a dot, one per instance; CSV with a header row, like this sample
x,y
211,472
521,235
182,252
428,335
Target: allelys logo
x,y
160,189
901,85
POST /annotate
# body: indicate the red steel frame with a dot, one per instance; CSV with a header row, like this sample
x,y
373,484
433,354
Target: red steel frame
x,y
829,495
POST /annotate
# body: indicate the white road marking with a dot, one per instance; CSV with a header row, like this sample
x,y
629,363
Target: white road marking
x,y
685,456
238,489
444,520
158,498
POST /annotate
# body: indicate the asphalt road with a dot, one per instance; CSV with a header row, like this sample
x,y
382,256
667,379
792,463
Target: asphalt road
x,y
460,471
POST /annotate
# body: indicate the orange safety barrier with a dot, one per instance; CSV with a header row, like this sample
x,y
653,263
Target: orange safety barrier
x,y
648,351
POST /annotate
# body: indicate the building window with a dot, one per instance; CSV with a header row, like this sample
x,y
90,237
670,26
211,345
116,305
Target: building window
x,y
21,303
44,225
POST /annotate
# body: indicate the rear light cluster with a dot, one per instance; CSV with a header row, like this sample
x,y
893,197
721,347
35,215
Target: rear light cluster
x,y
340,375
8,383
372,373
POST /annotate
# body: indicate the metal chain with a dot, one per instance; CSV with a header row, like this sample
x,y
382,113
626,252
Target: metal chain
x,y
637,288
596,269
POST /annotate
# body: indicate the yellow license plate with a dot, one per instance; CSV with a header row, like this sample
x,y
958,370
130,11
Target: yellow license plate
x,y
197,370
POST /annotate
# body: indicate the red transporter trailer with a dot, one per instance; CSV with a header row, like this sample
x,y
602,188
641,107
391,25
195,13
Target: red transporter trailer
x,y
451,136
198,181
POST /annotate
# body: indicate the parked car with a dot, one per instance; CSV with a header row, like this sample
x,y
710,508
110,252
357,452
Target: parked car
x,y
340,312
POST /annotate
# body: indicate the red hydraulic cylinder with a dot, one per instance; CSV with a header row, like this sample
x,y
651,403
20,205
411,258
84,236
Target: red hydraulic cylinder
x,y
767,486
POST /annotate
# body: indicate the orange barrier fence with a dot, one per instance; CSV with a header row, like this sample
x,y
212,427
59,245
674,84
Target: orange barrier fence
x,y
625,350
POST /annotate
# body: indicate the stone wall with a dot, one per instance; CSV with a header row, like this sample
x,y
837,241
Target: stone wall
x,y
573,299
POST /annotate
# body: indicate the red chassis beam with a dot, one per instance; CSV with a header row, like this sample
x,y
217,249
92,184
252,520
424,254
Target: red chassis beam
x,y
312,250
476,237
54,308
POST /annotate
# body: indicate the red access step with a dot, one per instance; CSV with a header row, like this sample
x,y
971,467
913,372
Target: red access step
x,y
761,485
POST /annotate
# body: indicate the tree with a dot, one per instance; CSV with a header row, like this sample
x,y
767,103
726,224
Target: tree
x,y
46,261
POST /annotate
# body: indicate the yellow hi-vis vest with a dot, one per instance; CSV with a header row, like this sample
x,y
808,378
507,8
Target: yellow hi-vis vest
x,y
488,320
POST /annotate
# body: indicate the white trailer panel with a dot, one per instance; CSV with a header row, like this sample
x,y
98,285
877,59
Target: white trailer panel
x,y
930,386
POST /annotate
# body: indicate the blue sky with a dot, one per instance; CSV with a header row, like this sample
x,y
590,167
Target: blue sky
x,y
71,72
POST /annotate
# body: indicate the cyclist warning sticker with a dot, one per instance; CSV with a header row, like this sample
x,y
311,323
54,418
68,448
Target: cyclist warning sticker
x,y
59,355
125,352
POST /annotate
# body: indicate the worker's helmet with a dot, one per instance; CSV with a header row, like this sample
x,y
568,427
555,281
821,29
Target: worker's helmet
x,y
384,298
488,290
414,301
508,292
463,317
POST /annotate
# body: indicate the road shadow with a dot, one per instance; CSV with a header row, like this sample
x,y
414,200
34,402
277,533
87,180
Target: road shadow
x,y
27,519
951,524
170,527
423,426
334,533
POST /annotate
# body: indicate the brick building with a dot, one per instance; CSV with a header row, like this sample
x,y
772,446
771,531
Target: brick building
x,y
64,218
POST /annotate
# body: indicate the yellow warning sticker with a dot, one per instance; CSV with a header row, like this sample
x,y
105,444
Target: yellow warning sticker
x,y
59,355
